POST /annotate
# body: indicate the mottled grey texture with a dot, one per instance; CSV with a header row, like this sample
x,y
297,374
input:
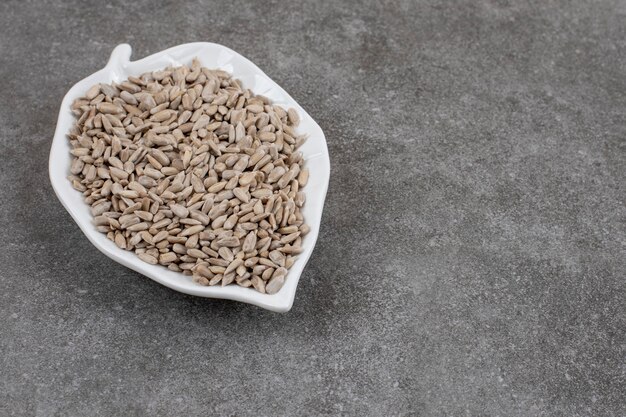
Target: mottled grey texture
x,y
472,255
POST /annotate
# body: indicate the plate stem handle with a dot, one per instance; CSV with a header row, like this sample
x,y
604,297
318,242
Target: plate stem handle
x,y
120,56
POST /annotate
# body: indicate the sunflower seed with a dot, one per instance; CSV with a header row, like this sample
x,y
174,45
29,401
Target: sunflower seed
x,y
167,258
275,284
294,118
258,284
148,258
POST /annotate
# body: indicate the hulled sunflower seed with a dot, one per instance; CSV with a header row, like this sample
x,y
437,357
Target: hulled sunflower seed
x,y
275,284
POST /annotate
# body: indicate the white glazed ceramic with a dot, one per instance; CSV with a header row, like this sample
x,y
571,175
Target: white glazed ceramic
x,y
210,55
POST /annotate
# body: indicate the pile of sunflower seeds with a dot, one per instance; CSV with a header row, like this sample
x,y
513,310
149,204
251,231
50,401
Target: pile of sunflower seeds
x,y
190,170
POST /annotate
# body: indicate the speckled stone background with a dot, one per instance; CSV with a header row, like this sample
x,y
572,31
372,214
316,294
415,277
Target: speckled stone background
x,y
472,255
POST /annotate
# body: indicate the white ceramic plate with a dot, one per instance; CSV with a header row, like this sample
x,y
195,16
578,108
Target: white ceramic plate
x,y
210,55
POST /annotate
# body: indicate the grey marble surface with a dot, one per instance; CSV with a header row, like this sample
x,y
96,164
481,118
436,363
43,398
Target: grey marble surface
x,y
472,254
